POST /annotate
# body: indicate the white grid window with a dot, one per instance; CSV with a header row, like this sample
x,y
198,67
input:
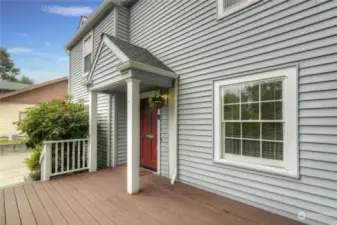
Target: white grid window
x,y
255,121
87,54
228,7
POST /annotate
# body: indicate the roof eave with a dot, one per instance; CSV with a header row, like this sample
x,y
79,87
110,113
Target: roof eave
x,y
92,20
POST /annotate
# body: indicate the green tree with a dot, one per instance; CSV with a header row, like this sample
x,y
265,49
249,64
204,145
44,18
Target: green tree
x,y
26,80
8,71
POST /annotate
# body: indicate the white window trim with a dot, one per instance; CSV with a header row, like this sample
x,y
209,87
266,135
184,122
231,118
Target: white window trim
x,y
235,8
91,33
290,164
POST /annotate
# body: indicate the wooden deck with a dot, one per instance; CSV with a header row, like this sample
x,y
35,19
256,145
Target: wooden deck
x,y
100,198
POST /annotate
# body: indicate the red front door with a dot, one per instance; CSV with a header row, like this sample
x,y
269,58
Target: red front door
x,y
148,135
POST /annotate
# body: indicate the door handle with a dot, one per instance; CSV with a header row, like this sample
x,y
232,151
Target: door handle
x,y
149,136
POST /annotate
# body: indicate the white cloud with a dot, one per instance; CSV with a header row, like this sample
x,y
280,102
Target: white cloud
x,y
42,75
25,35
68,10
19,50
63,58
47,44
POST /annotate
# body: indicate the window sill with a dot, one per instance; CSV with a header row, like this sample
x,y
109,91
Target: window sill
x,y
223,13
259,168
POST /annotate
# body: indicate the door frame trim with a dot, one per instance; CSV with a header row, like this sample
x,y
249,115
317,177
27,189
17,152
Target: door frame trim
x,y
144,95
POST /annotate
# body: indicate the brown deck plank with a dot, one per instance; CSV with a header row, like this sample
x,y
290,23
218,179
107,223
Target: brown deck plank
x,y
67,211
26,213
102,205
2,208
53,212
39,211
94,211
12,212
151,202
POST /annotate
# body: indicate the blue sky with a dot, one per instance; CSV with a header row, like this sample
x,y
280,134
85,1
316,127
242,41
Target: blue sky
x,y
34,33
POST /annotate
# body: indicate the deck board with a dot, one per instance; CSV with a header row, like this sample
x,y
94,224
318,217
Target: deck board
x,y
2,208
101,198
26,213
11,208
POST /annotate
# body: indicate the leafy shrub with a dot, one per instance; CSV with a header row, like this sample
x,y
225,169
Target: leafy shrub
x,y
33,161
55,120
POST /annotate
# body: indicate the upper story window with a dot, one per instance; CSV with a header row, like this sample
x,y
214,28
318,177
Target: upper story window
x,y
87,54
228,7
255,121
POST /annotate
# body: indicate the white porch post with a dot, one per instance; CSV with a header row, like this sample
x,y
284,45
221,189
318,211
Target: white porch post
x,y
133,136
92,153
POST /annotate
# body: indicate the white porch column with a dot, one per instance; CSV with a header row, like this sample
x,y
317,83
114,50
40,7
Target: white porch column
x,y
133,136
92,151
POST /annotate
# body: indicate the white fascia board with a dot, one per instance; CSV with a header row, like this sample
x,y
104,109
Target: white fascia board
x,y
91,21
145,67
115,49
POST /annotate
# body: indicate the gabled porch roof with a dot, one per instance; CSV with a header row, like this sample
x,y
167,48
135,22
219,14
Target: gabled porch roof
x,y
131,57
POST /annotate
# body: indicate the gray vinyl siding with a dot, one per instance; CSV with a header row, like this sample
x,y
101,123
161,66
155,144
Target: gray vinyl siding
x,y
106,25
105,69
113,131
121,128
188,38
76,88
164,144
123,23
102,129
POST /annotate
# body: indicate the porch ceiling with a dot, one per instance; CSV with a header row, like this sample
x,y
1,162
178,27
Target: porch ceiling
x,y
100,198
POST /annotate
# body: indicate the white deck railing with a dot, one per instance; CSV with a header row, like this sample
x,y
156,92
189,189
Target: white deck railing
x,y
63,157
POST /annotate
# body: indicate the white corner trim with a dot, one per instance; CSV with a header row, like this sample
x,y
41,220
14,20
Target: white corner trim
x,y
145,67
173,130
158,142
115,49
222,12
116,27
290,164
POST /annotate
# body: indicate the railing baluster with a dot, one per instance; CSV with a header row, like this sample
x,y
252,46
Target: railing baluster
x,y
56,157
78,154
62,157
68,150
73,154
83,150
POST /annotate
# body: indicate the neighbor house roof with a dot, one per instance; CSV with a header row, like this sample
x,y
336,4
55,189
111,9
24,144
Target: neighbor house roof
x,y
32,87
6,85
137,53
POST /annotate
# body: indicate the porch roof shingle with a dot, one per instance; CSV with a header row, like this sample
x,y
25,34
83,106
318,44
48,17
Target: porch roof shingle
x,y
137,53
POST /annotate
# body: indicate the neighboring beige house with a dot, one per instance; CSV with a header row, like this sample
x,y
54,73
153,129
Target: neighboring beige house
x,y
13,104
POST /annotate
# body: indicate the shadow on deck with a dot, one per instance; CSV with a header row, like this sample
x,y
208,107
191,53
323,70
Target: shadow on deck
x,y
101,198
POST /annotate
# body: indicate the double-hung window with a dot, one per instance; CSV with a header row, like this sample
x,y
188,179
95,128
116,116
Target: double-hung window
x,y
87,54
255,121
228,7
